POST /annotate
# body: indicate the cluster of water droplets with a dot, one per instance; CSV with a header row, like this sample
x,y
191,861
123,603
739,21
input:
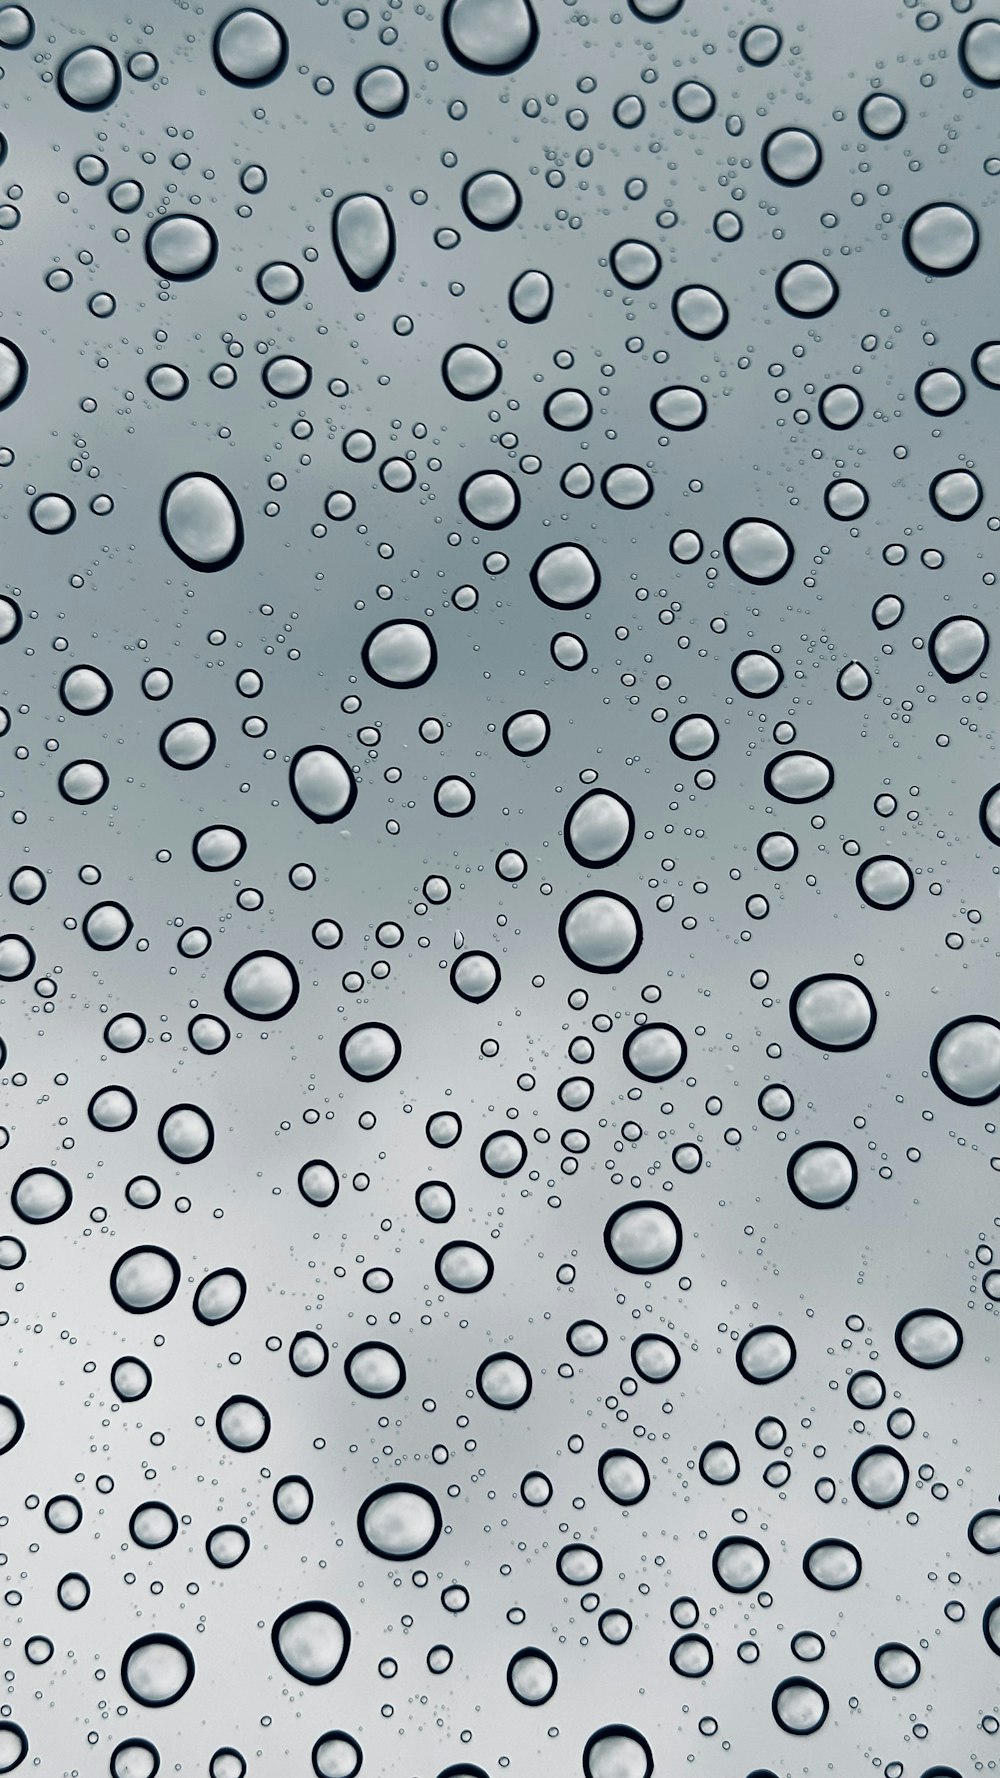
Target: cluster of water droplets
x,y
469,1014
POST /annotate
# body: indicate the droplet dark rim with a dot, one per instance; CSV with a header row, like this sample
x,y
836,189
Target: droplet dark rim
x,y
807,314
633,1456
949,271
474,999
161,1303
776,1376
210,1277
887,1648
254,80
600,968
82,104
356,1031
884,907
922,1364
616,1729
536,1654
660,1340
809,1685
837,1049
880,1451
504,1407
158,1638
160,1506
375,1394
397,684
408,1488
261,1018
740,1542
626,1209
200,271
757,579
191,562
186,1160
702,1642
354,278
494,69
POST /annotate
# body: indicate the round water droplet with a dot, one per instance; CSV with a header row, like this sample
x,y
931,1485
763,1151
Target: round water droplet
x,y
90,78
885,882
531,1676
201,522
13,1746
336,1755
758,551
823,1174
896,1665
623,1477
157,1670
791,156
400,654
490,499
322,784
186,1134
654,1052
765,1355
530,296
145,1279
941,239
699,311
928,1338
312,1641
370,1052
617,1752
798,777
382,91
806,289
600,932
881,116
470,372
691,1657
643,1237
41,1195
799,1706
679,408
490,36
833,1012
250,47
220,1296
181,247
965,1059
880,1476
475,976
635,264
956,494
491,200
13,372
504,1381
399,1522
599,829
979,52
566,576
740,1564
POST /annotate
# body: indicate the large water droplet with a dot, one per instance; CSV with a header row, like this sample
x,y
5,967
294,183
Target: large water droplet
x,y
490,36
364,239
202,522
